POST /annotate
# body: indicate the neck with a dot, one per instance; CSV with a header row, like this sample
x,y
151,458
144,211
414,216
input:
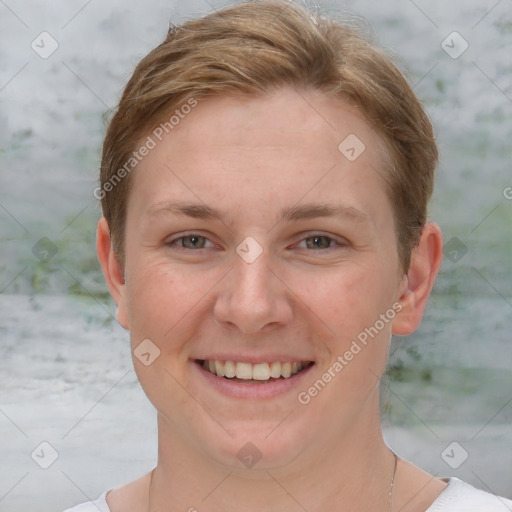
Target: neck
x,y
344,471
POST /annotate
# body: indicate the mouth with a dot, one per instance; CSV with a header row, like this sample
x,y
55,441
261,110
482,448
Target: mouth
x,y
246,381
254,374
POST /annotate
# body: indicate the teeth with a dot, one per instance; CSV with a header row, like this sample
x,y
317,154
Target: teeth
x,y
229,369
219,369
259,371
286,370
244,370
275,370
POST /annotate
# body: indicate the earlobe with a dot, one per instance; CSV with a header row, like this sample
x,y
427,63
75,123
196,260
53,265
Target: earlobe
x,y
426,259
112,270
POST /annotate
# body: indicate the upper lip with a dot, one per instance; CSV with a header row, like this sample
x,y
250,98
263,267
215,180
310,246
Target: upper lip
x,y
254,359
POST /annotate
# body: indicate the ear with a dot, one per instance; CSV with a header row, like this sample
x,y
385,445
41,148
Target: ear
x,y
426,259
112,271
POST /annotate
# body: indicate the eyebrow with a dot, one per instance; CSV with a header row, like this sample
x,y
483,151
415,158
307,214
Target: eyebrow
x,y
294,213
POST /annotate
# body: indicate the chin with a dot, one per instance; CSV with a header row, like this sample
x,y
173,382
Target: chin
x,y
255,448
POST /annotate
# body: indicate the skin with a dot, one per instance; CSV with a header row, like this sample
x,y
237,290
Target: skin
x,y
252,157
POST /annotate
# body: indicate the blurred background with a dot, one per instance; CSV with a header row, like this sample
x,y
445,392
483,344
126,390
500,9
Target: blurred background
x,y
67,377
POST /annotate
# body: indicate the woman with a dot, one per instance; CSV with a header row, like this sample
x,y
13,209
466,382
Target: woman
x,y
264,186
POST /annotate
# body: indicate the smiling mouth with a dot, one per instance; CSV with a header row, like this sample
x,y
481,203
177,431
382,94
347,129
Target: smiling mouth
x,y
260,373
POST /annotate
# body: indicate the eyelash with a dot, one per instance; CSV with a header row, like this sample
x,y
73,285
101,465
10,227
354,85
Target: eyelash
x,y
309,236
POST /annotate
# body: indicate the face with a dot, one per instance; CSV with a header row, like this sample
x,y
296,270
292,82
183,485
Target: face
x,y
252,238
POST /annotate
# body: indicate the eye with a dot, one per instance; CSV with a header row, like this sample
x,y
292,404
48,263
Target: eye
x,y
319,241
193,241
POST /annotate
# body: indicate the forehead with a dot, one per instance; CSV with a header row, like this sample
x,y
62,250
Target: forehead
x,y
245,150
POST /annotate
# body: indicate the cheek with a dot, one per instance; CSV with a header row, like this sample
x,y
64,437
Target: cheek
x,y
158,298
167,303
350,302
346,299
163,303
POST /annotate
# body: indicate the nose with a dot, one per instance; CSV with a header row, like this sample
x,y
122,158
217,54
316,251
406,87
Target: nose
x,y
253,297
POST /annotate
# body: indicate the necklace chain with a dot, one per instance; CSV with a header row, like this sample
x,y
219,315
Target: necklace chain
x,y
390,489
392,483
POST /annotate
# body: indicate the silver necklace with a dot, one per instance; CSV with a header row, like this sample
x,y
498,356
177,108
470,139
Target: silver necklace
x,y
392,483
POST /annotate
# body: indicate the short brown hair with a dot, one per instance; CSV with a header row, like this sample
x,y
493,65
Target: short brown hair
x,y
254,47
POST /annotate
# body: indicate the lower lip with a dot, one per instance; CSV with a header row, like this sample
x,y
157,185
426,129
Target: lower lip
x,y
237,389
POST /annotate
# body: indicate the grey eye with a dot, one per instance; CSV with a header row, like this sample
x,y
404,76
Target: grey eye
x,y
196,242
318,242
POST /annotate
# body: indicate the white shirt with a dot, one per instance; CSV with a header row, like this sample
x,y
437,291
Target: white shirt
x,y
458,496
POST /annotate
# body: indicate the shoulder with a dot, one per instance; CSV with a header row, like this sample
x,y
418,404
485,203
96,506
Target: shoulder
x,y
459,496
99,505
128,497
